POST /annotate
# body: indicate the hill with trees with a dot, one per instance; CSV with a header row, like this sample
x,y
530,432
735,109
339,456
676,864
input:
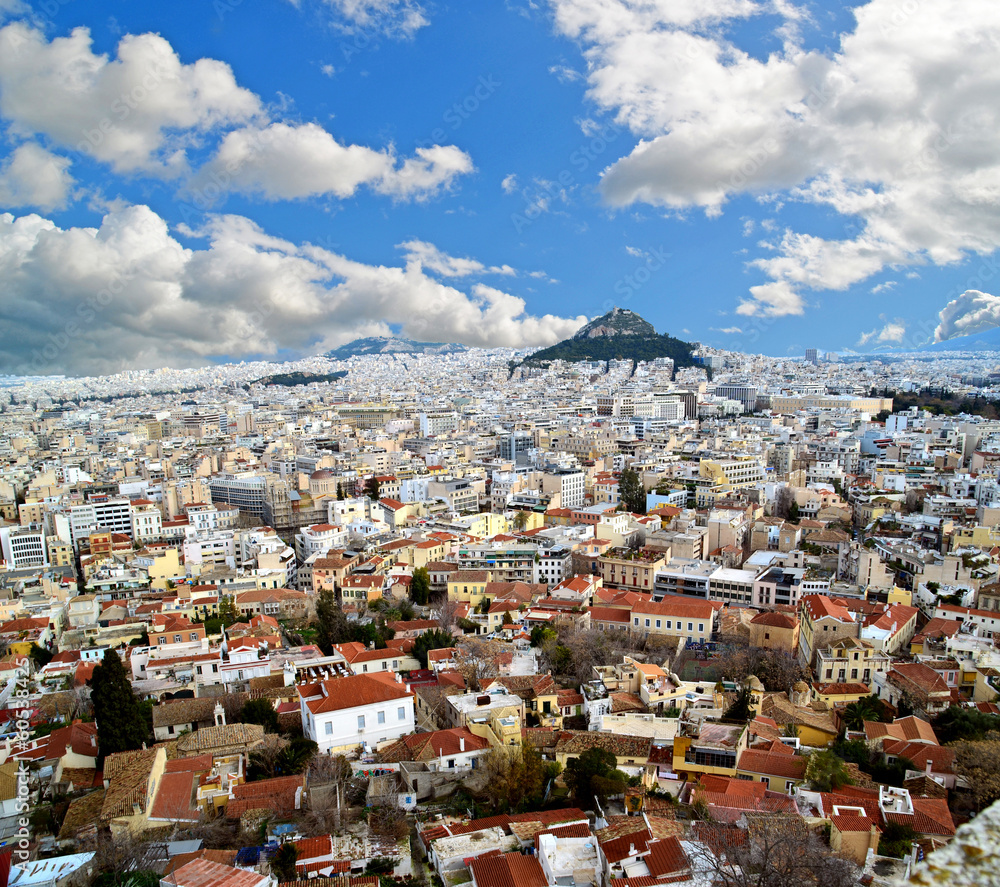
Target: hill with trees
x,y
620,334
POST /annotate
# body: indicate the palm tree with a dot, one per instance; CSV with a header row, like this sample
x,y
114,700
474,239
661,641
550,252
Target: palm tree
x,y
868,708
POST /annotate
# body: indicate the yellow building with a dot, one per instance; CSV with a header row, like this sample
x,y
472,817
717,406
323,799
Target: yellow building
x,y
468,586
714,748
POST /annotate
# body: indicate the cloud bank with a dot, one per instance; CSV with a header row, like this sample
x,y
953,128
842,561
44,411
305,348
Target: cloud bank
x,y
129,294
894,130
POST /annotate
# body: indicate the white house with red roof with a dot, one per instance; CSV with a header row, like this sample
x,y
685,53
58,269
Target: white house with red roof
x,y
359,710
243,659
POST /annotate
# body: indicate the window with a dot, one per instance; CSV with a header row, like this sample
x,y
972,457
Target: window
x,y
401,713
381,717
177,638
658,623
161,639
329,728
767,635
701,626
636,620
194,635
690,626
647,623
361,722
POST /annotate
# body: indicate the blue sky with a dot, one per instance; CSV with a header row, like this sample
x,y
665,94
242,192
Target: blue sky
x,y
189,182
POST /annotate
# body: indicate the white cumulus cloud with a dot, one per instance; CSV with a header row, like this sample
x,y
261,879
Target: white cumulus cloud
x,y
33,176
139,111
427,256
972,312
895,129
89,300
144,111
283,161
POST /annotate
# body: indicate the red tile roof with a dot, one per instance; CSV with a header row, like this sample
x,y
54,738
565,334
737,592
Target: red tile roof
x,y
770,764
350,692
508,870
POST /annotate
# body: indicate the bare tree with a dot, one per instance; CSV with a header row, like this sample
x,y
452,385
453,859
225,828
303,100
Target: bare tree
x,y
121,853
478,661
775,669
385,816
328,809
575,652
266,753
783,499
771,851
447,613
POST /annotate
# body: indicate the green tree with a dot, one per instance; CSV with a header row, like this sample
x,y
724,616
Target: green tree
x,y
260,711
331,624
372,488
541,634
793,513
294,758
435,639
39,655
594,774
228,613
283,863
957,722
826,772
340,492
507,618
631,492
870,708
896,840
120,724
420,586
520,520
740,708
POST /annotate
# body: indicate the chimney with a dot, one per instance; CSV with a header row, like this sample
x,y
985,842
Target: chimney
x,y
929,767
461,744
631,849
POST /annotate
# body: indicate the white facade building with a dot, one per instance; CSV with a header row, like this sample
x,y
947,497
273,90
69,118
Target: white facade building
x,y
359,710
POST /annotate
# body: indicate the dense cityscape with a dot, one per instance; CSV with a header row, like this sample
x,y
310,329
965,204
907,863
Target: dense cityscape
x,y
512,443
465,618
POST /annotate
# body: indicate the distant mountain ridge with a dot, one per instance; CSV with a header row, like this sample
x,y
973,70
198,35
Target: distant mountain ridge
x,y
984,340
621,334
391,345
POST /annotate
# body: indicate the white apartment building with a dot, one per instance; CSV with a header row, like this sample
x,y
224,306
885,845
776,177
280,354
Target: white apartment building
x,y
318,539
101,513
209,551
206,518
24,546
432,424
358,710
147,520
568,483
